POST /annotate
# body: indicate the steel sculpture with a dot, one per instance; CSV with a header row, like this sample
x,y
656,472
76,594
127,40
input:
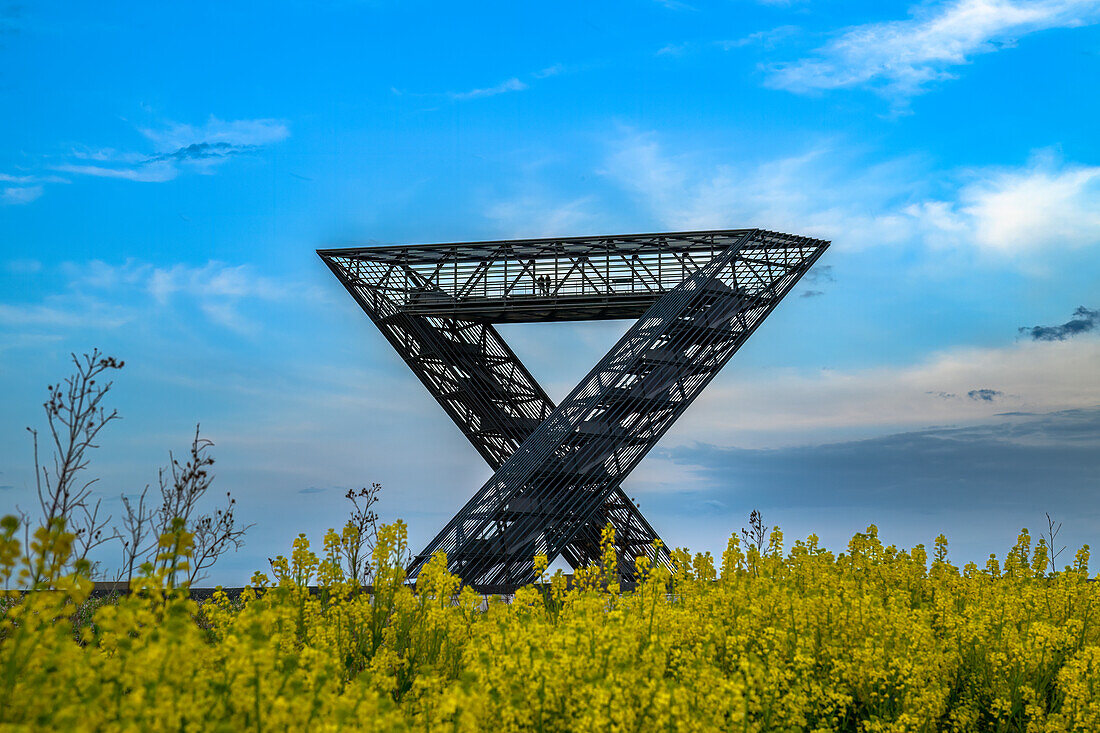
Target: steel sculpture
x,y
697,296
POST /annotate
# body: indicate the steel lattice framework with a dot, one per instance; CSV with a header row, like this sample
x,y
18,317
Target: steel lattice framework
x,y
558,468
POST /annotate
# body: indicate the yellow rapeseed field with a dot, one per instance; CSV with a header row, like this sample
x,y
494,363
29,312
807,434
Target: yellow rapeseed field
x,y
873,639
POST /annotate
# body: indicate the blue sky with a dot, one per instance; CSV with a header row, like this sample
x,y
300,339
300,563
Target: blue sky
x,y
168,171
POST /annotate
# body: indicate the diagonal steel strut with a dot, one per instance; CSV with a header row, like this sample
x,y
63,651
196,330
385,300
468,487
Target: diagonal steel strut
x,y
492,387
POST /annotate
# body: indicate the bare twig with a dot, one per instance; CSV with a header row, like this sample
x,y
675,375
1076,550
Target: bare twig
x,y
182,487
757,532
75,415
213,536
361,532
138,538
1052,534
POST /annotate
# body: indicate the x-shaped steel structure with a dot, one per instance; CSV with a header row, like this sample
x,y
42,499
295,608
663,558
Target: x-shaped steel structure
x,y
697,296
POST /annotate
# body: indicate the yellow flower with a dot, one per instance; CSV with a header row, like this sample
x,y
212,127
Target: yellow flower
x,y
870,640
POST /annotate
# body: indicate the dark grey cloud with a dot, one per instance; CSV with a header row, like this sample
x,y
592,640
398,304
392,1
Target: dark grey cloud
x,y
819,274
1050,460
943,395
1083,321
811,293
201,151
984,395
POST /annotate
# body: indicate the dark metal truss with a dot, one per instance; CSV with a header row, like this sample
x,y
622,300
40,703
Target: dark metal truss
x,y
697,296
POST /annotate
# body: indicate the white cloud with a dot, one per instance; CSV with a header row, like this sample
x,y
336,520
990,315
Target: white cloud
x,y
101,295
27,188
81,314
537,216
790,407
212,280
108,155
511,85
1036,207
900,58
767,39
549,71
1007,213
226,315
30,179
815,193
674,49
15,195
1010,212
146,173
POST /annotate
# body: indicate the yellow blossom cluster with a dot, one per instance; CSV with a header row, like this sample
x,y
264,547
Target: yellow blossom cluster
x,y
872,639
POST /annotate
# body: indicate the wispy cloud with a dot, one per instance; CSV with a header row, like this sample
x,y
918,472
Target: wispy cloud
x,y
218,289
102,295
214,279
31,179
766,38
533,215
552,70
815,192
178,147
70,313
15,195
1084,320
1012,214
514,84
25,189
901,58
146,172
511,85
674,49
